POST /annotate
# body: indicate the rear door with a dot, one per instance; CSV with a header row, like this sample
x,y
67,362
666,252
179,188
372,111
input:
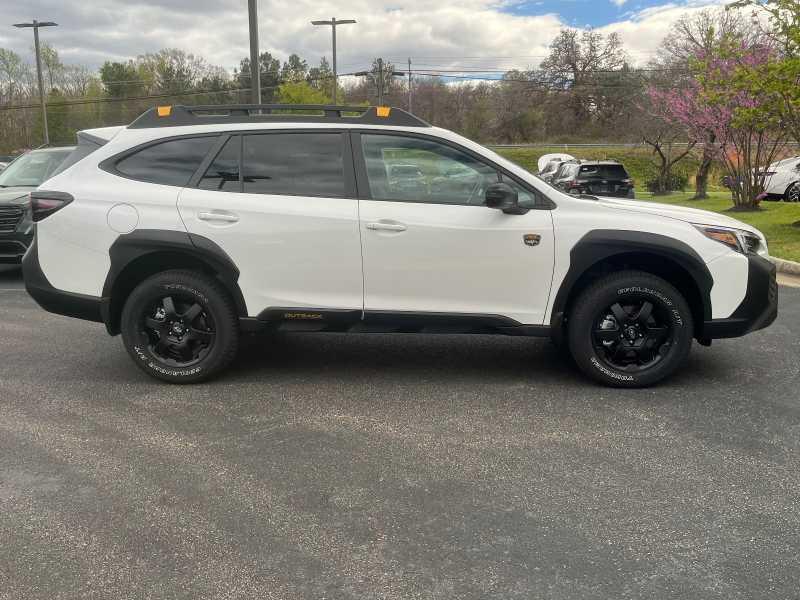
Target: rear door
x,y
282,205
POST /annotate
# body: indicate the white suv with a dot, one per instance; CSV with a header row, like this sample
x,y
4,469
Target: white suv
x,y
194,224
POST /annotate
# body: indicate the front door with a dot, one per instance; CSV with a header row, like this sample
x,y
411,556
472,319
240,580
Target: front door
x,y
282,206
432,246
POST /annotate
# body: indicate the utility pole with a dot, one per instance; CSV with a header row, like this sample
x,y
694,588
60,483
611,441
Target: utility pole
x,y
379,77
333,23
255,63
380,82
35,25
409,84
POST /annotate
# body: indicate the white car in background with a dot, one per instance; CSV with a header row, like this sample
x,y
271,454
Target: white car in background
x,y
783,180
549,164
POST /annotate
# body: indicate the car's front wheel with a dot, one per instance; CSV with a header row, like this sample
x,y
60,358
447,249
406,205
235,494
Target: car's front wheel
x,y
630,329
180,327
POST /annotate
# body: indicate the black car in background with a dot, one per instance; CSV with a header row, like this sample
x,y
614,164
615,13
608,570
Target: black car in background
x,y
17,181
594,177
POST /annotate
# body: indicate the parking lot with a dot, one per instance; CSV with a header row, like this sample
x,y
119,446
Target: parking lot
x,y
372,466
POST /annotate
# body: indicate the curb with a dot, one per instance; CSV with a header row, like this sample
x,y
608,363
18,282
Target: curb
x,y
786,267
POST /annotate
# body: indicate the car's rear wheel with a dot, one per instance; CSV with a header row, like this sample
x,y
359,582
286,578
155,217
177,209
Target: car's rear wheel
x,y
180,327
793,193
630,329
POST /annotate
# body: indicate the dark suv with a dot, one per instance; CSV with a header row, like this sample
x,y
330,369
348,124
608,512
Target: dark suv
x,y
599,178
17,181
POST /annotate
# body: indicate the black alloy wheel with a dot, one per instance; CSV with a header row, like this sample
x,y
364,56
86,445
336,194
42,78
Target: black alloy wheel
x,y
177,331
633,334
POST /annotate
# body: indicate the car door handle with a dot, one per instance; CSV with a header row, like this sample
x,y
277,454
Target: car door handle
x,y
383,226
225,217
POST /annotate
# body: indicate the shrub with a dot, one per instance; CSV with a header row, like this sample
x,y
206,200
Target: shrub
x,y
676,182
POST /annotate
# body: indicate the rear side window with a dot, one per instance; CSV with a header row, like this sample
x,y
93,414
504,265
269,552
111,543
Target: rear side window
x,y
169,163
295,164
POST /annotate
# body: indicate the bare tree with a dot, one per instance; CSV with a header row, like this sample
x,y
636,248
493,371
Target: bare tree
x,y
578,63
693,33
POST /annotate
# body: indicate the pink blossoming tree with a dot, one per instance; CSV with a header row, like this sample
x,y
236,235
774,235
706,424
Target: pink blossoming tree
x,y
720,103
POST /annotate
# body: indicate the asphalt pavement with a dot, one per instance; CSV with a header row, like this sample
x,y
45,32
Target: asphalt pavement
x,y
396,467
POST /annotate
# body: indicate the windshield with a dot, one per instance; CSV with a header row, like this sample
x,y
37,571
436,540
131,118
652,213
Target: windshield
x,y
33,168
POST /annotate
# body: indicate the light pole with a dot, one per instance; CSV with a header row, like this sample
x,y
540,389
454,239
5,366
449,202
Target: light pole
x,y
35,25
333,23
255,66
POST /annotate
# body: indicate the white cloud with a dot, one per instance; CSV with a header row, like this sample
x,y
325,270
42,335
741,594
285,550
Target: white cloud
x,y
441,34
643,31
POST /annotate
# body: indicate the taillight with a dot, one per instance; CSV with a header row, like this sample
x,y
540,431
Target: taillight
x,y
44,204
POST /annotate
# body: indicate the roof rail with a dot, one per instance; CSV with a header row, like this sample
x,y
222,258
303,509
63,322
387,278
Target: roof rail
x,y
179,115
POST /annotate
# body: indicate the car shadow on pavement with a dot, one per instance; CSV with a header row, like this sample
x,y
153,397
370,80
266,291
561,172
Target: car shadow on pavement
x,y
402,357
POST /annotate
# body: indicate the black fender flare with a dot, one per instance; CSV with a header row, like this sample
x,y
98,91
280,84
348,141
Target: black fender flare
x,y
130,247
601,244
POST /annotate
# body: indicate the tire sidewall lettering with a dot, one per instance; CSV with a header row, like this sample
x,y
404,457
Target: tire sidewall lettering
x,y
677,319
142,355
612,374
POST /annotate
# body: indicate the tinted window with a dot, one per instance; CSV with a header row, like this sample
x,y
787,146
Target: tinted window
x,y
604,172
168,163
297,164
223,174
420,170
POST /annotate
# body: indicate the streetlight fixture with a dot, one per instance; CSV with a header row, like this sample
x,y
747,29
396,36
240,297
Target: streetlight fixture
x,y
333,23
35,25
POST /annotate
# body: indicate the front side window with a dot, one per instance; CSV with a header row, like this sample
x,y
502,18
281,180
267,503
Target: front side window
x,y
414,169
295,164
169,163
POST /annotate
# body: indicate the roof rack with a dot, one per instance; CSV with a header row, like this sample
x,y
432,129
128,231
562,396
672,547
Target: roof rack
x,y
178,115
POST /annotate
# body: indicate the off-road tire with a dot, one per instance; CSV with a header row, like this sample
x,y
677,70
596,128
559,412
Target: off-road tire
x,y
218,314
628,288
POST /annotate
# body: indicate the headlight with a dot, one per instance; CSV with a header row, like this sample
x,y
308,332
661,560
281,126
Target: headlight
x,y
732,238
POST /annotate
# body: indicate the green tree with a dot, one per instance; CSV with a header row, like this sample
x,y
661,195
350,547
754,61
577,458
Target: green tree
x,y
301,92
122,80
321,78
294,69
781,77
269,74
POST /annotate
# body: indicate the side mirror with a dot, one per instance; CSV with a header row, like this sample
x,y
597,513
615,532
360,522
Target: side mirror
x,y
503,197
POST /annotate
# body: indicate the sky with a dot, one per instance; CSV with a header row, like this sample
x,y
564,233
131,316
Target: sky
x,y
454,34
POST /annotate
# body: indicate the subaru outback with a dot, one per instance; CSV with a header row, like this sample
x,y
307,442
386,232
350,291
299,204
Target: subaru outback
x,y
193,225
